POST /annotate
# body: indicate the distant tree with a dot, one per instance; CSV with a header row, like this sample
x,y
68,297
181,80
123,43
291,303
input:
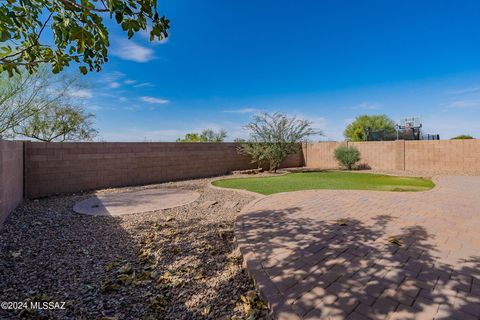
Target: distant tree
x,y
239,140
57,32
207,135
24,94
273,137
462,137
58,123
359,129
31,103
191,137
347,156
211,136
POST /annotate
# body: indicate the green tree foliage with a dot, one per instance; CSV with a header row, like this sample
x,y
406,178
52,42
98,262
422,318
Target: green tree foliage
x,y
60,123
257,151
358,130
462,137
191,137
347,156
25,95
211,136
207,135
273,137
58,32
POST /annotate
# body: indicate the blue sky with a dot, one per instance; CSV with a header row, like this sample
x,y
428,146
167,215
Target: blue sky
x,y
327,61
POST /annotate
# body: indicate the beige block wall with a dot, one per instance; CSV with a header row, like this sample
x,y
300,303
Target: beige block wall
x,y
451,156
381,155
320,154
54,168
471,156
443,156
11,177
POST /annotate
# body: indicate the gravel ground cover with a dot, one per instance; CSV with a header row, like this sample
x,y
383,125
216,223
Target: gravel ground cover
x,y
177,263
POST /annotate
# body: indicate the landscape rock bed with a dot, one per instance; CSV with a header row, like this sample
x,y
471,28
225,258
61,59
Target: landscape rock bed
x,y
177,263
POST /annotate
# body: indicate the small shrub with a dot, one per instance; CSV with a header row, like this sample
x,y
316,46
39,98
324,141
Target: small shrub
x,y
462,137
347,156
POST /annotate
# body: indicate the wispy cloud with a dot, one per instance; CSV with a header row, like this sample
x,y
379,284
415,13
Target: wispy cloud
x,y
93,107
368,106
129,50
114,84
243,110
130,81
112,76
154,100
466,104
134,134
465,90
144,85
81,93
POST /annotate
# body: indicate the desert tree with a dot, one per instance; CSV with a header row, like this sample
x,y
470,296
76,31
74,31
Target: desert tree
x,y
274,136
44,106
25,94
207,135
58,122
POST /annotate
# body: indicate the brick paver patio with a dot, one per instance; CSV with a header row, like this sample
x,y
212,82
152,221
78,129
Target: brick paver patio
x,y
338,254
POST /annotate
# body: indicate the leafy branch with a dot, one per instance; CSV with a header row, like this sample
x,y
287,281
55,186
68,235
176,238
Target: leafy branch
x,y
77,28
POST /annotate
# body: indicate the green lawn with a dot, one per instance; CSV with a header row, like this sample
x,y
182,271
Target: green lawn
x,y
327,180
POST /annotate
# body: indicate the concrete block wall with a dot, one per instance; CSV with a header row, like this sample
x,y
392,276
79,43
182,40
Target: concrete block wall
x,y
11,176
55,168
443,156
454,156
381,155
320,155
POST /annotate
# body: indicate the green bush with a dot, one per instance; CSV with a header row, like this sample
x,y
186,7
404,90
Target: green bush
x,y
462,137
347,156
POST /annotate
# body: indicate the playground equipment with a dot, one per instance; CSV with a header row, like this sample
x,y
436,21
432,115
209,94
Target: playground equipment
x,y
410,128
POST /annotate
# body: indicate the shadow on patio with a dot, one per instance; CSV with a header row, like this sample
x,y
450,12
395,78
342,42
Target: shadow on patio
x,y
346,268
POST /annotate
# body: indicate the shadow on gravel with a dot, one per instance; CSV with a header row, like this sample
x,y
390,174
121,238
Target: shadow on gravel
x,y
348,269
119,267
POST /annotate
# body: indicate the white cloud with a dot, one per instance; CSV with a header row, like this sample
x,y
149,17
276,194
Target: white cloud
x,y
114,84
154,100
244,110
134,134
368,106
130,81
93,107
464,91
129,50
144,85
112,76
463,104
81,93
